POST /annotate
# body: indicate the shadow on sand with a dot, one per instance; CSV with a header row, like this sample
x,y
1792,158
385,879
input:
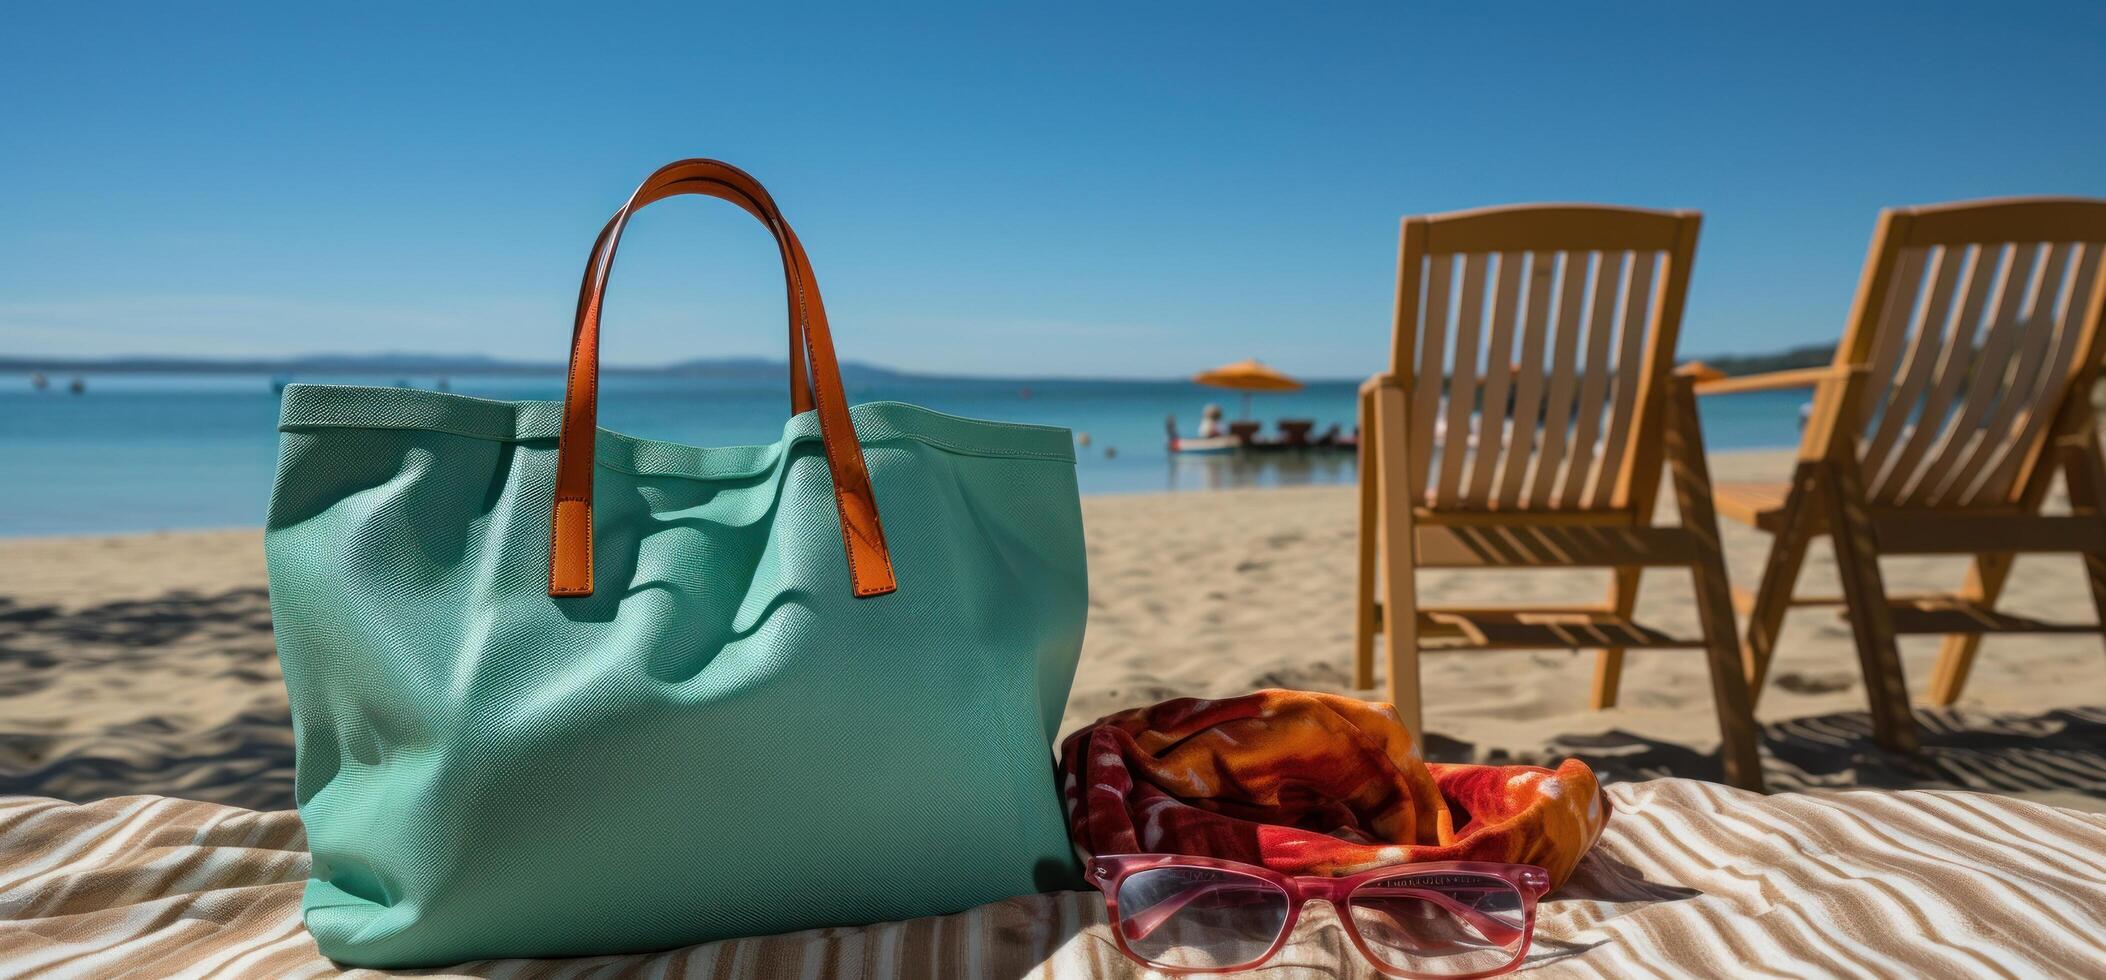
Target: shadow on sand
x,y
2057,757
181,696
178,695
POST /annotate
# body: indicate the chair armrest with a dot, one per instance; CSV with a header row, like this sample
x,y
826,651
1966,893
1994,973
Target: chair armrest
x,y
1383,380
1773,381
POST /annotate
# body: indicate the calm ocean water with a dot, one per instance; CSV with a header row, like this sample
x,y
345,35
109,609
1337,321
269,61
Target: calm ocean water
x,y
146,452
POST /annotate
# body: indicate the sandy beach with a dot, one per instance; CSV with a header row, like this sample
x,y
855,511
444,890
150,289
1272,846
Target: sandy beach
x,y
144,664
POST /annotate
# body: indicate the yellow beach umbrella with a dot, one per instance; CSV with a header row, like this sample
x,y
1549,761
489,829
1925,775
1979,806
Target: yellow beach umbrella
x,y
1246,377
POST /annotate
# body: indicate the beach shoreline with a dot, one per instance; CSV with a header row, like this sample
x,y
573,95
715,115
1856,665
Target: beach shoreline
x,y
144,662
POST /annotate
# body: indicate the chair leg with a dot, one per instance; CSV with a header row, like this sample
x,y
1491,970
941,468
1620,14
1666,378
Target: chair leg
x,y
2084,471
1871,621
1985,582
1608,661
1364,625
1400,606
1780,575
1739,741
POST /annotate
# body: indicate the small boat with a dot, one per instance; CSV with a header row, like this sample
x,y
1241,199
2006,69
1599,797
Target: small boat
x,y
38,381
1212,444
1243,438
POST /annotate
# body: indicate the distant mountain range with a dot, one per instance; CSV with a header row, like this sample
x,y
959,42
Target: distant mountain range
x,y
418,364
1812,355
710,367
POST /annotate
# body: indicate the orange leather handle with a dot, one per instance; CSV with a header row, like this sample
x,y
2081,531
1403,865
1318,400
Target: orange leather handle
x,y
811,344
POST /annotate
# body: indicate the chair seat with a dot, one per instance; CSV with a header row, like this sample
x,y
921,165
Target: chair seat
x,y
1957,615
1759,505
1523,629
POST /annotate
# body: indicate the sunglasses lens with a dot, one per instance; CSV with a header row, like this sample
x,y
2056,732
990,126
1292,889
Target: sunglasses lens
x,y
1199,918
1441,923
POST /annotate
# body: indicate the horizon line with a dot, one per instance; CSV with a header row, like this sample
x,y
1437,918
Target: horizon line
x,y
417,363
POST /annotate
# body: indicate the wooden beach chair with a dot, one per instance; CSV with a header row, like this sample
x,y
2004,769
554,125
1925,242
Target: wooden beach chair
x,y
1541,338
1962,382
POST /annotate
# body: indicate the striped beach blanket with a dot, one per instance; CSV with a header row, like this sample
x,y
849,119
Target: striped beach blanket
x,y
1689,879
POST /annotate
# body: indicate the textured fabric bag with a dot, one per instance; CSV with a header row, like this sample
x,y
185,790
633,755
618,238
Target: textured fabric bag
x,y
561,691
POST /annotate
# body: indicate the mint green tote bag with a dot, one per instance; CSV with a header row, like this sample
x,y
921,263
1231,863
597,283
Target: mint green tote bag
x,y
561,691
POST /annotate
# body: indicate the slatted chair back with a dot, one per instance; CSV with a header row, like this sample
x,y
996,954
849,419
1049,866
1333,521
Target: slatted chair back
x,y
1535,341
1974,323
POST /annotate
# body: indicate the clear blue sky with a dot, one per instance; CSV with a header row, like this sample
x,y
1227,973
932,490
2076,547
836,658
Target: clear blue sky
x,y
1131,189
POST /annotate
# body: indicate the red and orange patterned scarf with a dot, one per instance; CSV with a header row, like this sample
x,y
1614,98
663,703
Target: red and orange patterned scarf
x,y
1312,784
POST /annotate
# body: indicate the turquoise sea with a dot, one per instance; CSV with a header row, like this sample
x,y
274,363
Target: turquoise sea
x,y
142,452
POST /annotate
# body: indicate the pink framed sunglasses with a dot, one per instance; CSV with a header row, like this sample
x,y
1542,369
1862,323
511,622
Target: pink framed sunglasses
x,y
1451,920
